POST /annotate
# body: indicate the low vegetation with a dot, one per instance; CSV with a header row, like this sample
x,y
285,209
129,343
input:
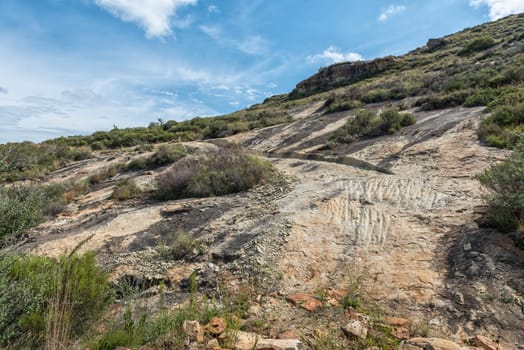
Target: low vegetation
x,y
22,207
367,124
165,330
227,170
165,154
506,181
44,301
504,128
126,188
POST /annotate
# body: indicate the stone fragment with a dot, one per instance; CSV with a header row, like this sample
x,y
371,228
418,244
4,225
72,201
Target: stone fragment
x,y
311,305
304,301
193,331
400,333
484,343
397,321
213,345
216,326
288,335
356,328
430,343
251,341
297,298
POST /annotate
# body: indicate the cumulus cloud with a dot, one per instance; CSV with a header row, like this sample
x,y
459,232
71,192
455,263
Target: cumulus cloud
x,y
391,10
333,55
154,16
3,90
500,8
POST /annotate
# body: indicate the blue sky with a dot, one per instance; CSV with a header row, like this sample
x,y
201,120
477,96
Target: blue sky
x,y
77,66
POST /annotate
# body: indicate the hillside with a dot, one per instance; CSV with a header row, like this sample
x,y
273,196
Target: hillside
x,y
352,203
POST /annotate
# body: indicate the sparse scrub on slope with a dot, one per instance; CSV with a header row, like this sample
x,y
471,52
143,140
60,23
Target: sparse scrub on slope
x,y
506,180
504,128
227,170
48,301
368,124
23,207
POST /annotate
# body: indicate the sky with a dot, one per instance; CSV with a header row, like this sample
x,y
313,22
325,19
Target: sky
x,y
71,67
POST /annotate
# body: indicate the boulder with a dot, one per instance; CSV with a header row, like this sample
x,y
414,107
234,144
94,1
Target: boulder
x,y
193,331
397,321
400,333
429,343
356,328
484,343
251,341
216,326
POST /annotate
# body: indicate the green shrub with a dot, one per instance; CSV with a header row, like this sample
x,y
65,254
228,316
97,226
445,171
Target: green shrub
x,y
40,295
504,128
478,44
506,181
126,188
24,207
368,124
167,154
183,245
227,170
480,98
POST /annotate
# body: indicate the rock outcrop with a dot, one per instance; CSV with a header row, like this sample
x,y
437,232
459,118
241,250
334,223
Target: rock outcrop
x,y
341,74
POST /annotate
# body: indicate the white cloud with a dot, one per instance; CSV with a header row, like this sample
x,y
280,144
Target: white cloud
x,y
251,45
391,10
213,9
500,8
154,16
333,55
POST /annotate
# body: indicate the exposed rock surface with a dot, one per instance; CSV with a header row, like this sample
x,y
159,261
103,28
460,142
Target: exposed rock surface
x,y
342,74
398,216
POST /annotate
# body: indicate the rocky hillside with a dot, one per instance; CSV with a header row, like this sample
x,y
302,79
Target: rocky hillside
x,y
363,224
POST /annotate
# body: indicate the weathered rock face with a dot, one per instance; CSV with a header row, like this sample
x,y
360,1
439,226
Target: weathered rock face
x,y
434,44
342,74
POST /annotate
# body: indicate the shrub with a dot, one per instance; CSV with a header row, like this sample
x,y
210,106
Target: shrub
x,y
478,44
126,188
24,207
227,170
504,128
370,124
183,245
43,300
506,180
167,154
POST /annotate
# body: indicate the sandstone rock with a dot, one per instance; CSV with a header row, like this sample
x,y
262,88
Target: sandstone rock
x,y
397,321
305,301
297,298
356,329
342,74
400,333
484,343
433,44
250,341
429,343
216,326
193,331
288,335
213,345
311,305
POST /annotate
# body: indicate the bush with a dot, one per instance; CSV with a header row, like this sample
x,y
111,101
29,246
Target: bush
x,y
25,207
506,180
478,44
504,128
227,170
165,154
48,300
126,188
368,124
